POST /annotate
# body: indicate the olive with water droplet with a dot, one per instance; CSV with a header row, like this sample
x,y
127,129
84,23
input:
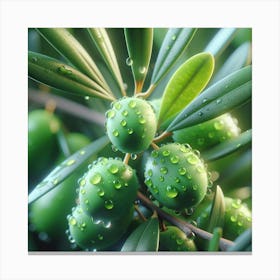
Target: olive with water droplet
x,y
110,188
131,126
174,174
237,219
173,239
92,232
208,134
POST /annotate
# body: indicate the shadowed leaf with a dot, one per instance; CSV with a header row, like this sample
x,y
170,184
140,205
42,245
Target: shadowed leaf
x,y
228,147
173,45
56,74
104,46
144,238
139,42
66,168
69,47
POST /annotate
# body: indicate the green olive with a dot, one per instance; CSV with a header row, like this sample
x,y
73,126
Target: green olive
x,y
108,189
94,233
237,219
48,213
176,176
131,124
173,239
42,143
208,134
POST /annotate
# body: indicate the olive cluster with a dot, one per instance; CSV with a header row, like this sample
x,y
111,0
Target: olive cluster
x,y
102,209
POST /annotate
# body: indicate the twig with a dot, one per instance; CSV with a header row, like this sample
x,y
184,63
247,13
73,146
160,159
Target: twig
x,y
162,136
147,93
67,106
155,146
126,158
184,226
140,214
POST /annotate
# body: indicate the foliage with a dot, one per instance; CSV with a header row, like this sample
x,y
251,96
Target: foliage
x,y
155,176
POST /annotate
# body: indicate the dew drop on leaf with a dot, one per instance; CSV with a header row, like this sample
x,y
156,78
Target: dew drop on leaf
x,y
129,61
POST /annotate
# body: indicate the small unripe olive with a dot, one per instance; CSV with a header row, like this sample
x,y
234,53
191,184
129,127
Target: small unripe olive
x,y
237,219
95,233
207,134
42,145
173,239
108,189
176,176
48,213
131,124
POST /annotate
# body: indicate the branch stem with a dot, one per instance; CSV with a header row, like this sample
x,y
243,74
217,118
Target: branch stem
x,y
184,226
147,93
126,158
162,136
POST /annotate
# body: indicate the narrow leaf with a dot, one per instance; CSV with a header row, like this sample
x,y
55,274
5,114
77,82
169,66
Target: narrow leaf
x,y
227,94
243,242
66,168
173,45
102,41
217,213
144,238
228,147
214,242
237,60
62,143
185,84
56,74
220,41
139,42
69,47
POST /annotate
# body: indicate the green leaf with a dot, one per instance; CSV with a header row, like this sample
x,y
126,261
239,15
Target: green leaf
x,y
66,168
214,242
69,47
185,84
139,42
228,147
220,41
56,74
225,95
102,41
238,59
62,143
144,238
173,45
217,213
243,242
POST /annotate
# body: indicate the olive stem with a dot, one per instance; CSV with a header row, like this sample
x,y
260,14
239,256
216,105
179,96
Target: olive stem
x,y
140,214
162,136
187,228
162,224
155,146
138,87
123,92
126,158
147,93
